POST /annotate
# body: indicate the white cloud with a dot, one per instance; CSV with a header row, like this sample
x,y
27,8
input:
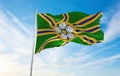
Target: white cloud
x,y
52,73
15,42
10,66
19,23
100,62
11,35
113,30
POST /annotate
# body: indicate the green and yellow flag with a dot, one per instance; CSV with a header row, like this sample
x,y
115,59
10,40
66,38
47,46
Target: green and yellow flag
x,y
58,30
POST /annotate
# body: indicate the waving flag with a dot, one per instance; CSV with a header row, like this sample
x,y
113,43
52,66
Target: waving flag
x,y
58,30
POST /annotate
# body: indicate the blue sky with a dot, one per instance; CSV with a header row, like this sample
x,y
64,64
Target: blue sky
x,y
16,25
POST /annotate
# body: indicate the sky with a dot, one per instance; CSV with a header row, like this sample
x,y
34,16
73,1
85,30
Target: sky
x,y
17,33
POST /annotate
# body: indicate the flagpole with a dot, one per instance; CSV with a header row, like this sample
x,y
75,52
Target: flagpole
x,y
34,40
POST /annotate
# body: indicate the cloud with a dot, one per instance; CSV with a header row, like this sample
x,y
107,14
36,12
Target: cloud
x,y
15,44
100,62
112,19
12,37
8,66
53,73
19,23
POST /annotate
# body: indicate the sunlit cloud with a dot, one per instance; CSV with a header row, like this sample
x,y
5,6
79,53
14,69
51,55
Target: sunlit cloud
x,y
10,67
14,45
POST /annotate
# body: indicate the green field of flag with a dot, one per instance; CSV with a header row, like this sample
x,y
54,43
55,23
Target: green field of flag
x,y
58,30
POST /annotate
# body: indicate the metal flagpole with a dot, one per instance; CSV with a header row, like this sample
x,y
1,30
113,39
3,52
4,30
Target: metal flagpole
x,y
34,40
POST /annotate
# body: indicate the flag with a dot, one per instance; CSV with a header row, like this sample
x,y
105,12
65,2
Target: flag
x,y
58,30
